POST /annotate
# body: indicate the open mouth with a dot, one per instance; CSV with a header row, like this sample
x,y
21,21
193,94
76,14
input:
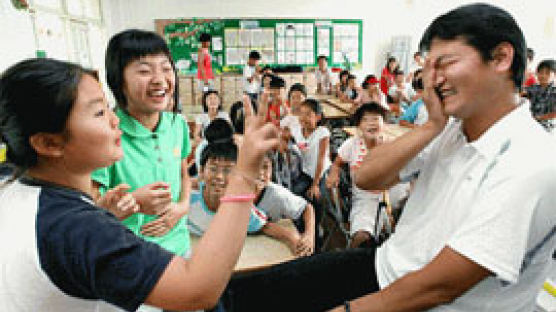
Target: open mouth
x,y
157,94
444,92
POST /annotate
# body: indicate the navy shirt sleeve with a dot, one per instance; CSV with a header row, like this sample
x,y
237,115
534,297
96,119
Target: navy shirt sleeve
x,y
87,253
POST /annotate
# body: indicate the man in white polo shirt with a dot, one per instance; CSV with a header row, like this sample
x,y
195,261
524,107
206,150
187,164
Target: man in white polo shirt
x,y
479,229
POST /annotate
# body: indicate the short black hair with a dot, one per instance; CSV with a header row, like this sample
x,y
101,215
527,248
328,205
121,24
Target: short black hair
x,y
219,135
226,149
483,27
219,129
46,109
127,46
320,57
204,100
351,76
297,87
343,73
372,108
314,105
255,55
398,72
530,54
416,54
266,68
417,84
205,37
277,82
549,64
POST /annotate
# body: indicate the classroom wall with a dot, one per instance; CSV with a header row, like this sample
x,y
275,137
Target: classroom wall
x,y
16,35
381,19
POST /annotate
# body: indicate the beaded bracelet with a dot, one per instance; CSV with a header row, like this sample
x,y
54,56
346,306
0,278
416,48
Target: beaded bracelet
x,y
237,198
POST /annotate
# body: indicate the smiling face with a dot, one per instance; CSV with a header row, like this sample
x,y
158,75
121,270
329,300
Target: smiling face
x,y
308,119
215,175
213,102
546,76
296,98
463,79
93,136
149,84
371,126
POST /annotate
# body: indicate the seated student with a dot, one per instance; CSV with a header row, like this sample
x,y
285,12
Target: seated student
x,y
315,153
277,202
290,122
543,95
212,107
416,114
71,255
218,129
288,165
267,70
323,75
530,78
402,93
218,161
371,93
275,100
265,83
352,92
341,85
369,119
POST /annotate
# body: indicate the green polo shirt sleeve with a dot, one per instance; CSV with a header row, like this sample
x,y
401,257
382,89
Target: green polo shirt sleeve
x,y
102,177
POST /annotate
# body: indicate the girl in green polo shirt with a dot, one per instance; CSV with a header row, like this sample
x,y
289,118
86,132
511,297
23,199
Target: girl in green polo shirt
x,y
141,75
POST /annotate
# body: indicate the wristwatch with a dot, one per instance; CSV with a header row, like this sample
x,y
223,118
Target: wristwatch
x,y
347,306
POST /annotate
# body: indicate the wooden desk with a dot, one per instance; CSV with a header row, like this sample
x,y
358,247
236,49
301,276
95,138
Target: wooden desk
x,y
259,251
392,130
333,112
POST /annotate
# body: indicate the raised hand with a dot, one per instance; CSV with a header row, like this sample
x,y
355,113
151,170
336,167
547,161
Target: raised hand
x,y
120,203
153,199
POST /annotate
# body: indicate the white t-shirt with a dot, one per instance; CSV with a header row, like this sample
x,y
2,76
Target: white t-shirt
x,y
325,79
204,119
292,123
200,216
422,115
492,201
279,203
310,151
253,86
408,91
353,151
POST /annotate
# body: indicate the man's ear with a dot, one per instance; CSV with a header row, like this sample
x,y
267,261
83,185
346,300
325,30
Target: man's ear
x,y
47,144
503,56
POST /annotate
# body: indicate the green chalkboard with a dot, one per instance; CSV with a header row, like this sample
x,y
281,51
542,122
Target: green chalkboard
x,y
280,41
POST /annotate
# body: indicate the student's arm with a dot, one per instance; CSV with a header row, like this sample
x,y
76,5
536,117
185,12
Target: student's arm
x,y
306,244
443,280
334,173
323,146
199,282
289,236
197,133
391,157
548,116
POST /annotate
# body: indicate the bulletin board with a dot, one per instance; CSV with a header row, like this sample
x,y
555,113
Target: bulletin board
x,y
281,42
